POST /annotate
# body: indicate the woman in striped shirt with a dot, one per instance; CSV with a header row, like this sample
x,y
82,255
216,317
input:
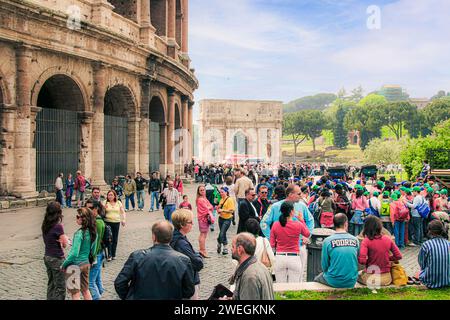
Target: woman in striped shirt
x,y
434,258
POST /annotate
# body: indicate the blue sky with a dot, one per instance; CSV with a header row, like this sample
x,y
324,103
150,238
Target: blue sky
x,y
286,49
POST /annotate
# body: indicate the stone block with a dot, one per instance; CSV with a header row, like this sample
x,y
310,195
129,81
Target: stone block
x,y
31,202
41,202
4,204
43,194
17,204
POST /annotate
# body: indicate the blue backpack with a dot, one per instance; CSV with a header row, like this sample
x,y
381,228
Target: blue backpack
x,y
371,210
423,209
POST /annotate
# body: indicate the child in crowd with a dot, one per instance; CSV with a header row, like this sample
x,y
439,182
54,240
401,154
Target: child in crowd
x,y
185,204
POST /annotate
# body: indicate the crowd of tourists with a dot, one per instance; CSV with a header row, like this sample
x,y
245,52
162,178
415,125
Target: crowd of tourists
x,y
276,214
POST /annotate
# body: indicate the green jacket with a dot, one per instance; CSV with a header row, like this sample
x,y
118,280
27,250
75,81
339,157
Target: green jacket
x,y
129,188
81,247
100,232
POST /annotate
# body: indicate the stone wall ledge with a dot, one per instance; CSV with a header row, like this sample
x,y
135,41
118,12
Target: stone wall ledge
x,y
318,287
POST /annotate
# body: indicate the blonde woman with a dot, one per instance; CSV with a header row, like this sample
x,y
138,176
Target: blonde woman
x,y
114,217
182,220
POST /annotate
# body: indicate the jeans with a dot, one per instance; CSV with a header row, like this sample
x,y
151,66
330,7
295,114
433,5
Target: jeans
x,y
168,210
60,197
128,199
399,233
224,225
56,285
154,195
115,226
417,228
95,278
140,198
69,201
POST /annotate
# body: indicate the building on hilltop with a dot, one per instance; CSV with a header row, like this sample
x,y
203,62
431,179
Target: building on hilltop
x,y
101,86
235,130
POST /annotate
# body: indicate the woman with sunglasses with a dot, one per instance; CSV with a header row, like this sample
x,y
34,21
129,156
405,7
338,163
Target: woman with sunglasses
x,y
225,209
84,244
55,240
204,210
114,217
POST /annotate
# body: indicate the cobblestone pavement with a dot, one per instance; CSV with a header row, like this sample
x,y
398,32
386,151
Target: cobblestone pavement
x,y
23,274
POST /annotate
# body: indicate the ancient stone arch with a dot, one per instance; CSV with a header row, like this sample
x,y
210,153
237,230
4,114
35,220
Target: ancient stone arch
x,y
120,101
59,72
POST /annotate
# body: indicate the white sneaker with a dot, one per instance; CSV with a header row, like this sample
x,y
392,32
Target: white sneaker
x,y
412,244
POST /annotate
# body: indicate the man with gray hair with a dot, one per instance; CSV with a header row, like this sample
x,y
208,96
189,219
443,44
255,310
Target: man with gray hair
x,y
158,273
252,280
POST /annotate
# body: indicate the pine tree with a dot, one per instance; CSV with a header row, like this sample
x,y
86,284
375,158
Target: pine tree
x,y
340,138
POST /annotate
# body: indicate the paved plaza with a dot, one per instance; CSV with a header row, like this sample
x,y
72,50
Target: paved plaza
x,y
22,270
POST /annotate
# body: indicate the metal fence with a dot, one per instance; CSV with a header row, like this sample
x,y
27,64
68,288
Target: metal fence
x,y
57,146
154,146
116,147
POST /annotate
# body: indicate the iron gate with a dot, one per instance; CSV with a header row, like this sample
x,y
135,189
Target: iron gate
x,y
154,146
57,144
116,147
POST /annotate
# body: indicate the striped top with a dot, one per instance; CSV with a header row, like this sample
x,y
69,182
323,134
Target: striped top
x,y
434,261
172,196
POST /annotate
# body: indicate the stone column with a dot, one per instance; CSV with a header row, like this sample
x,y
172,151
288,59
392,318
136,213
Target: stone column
x,y
8,118
86,143
24,156
98,129
185,27
171,127
147,31
172,45
133,144
144,128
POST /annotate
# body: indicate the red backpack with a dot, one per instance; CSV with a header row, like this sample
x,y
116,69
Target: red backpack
x,y
402,213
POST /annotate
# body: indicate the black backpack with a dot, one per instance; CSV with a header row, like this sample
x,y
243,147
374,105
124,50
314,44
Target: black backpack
x,y
107,237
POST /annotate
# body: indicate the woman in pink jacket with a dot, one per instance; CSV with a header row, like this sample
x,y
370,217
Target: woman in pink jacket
x,y
204,209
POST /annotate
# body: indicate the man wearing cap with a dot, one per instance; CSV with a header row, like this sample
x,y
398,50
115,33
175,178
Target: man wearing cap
x,y
442,203
416,219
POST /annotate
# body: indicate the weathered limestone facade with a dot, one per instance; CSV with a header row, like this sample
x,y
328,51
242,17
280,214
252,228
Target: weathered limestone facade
x,y
94,58
240,127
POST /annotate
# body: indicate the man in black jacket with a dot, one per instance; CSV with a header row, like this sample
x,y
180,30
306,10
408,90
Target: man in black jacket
x,y
262,204
158,273
154,189
247,210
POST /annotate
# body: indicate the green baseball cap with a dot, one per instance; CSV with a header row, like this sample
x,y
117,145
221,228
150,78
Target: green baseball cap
x,y
376,194
444,191
386,193
394,196
366,193
426,185
416,189
430,190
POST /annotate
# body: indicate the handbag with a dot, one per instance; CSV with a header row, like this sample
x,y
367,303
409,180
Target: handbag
x,y
399,277
265,260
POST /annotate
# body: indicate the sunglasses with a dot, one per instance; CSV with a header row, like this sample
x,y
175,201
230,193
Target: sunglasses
x,y
263,192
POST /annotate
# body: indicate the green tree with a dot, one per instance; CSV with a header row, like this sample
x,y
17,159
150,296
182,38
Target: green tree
x,y
314,123
293,127
340,139
396,114
384,151
366,118
437,111
357,94
417,150
440,94
319,101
